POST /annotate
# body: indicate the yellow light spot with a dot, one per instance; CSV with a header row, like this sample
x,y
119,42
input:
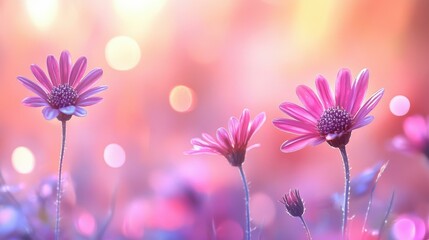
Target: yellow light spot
x,y
122,53
114,155
128,8
139,17
42,12
399,105
182,99
23,160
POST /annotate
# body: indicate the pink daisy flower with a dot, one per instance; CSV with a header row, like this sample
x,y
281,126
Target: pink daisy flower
x,y
65,92
233,144
325,117
416,139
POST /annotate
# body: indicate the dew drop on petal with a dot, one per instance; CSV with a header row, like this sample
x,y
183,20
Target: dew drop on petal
x,y
399,105
23,160
122,53
114,155
182,98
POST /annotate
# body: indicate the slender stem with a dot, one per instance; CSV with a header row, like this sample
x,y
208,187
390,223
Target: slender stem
x,y
246,193
389,209
59,188
368,209
307,231
346,190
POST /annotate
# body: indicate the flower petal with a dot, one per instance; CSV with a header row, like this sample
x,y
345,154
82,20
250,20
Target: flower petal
x,y
293,126
35,102
369,105
359,88
69,110
33,87
91,92
233,126
300,142
65,64
77,71
363,122
310,100
41,77
223,139
89,101
89,79
324,92
244,127
202,151
257,123
53,70
343,88
298,112
50,113
80,112
209,138
199,143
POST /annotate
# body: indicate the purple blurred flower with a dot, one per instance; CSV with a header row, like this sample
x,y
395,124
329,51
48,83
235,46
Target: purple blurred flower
x,y
416,139
325,118
65,92
232,144
293,203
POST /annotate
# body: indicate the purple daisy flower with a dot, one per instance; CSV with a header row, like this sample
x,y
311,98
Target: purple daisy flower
x,y
325,118
416,139
65,92
232,144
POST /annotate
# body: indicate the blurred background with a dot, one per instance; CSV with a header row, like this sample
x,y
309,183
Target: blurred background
x,y
176,69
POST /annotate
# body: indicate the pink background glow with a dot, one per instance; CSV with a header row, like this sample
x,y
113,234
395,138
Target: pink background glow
x,y
231,54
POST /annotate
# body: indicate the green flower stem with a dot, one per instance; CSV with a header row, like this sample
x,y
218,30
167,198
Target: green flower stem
x,y
246,199
346,190
307,231
59,188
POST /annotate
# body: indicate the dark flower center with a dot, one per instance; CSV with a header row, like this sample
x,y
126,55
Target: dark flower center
x,y
334,120
62,96
236,157
337,122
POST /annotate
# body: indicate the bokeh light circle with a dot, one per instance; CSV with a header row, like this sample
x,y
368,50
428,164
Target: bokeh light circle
x,y
182,98
122,53
229,229
85,224
23,160
262,209
114,155
42,12
399,105
408,226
